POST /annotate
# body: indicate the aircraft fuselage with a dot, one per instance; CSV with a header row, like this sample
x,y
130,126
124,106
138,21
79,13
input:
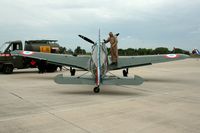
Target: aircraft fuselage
x,y
98,63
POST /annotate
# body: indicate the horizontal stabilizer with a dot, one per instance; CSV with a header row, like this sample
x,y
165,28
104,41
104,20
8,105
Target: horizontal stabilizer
x,y
60,79
136,80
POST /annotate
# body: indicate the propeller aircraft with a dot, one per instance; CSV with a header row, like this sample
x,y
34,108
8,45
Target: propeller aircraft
x,y
98,64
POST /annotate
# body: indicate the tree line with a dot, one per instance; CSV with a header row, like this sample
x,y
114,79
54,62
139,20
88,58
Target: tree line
x,y
146,51
77,51
128,51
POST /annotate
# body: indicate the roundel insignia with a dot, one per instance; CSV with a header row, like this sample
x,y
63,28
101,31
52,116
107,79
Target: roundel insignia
x,y
27,52
171,56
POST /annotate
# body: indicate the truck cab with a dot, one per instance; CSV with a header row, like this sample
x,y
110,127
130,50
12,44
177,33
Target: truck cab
x,y
8,62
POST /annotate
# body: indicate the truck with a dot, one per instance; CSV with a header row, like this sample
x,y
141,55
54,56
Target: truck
x,y
8,62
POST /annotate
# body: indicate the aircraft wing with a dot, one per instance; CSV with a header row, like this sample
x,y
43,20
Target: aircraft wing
x,y
59,59
136,61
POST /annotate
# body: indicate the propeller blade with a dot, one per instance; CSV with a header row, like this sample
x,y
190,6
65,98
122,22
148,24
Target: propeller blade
x,y
117,34
86,39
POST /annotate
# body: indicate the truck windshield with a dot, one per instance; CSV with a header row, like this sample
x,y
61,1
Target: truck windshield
x,y
3,47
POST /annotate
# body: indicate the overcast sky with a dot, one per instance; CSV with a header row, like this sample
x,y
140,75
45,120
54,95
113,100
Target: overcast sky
x,y
141,23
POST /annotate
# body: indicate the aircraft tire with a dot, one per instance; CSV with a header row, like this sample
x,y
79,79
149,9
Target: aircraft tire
x,y
72,71
96,89
125,73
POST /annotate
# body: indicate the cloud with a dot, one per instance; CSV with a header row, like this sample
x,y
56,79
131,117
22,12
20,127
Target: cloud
x,y
147,22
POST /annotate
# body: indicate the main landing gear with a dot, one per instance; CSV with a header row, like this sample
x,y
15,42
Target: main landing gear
x,y
96,89
72,71
125,72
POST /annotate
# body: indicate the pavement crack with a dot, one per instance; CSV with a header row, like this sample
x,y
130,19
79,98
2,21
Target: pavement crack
x,y
16,95
69,122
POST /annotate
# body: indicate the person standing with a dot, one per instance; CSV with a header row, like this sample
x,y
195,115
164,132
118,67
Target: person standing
x,y
113,47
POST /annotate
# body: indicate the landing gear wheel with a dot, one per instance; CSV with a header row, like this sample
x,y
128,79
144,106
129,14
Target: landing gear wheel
x,y
96,89
72,71
125,73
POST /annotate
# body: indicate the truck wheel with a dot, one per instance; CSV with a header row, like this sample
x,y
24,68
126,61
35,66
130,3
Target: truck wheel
x,y
51,68
8,69
42,64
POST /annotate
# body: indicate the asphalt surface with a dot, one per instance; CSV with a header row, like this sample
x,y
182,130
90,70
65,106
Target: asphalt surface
x,y
168,102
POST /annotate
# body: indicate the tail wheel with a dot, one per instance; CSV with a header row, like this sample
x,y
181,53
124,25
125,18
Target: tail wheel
x,y
96,89
8,69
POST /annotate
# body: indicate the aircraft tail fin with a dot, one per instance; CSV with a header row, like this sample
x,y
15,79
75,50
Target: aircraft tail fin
x,y
136,80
